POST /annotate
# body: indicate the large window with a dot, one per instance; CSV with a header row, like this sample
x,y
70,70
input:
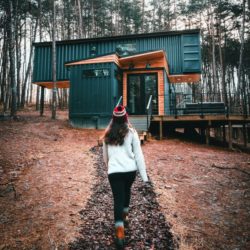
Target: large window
x,y
96,73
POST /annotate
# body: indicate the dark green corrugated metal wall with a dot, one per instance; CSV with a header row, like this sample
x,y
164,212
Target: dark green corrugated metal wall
x,y
92,98
178,48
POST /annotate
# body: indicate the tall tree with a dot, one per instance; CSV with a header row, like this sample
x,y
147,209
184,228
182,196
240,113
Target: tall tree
x,y
11,43
240,75
54,94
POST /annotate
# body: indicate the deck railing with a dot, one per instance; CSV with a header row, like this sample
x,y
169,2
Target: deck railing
x,y
202,104
119,101
149,111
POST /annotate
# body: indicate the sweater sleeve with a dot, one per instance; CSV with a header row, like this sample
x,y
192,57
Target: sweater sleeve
x,y
105,153
139,157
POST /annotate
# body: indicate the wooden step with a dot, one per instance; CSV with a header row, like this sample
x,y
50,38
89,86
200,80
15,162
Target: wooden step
x,y
143,136
139,122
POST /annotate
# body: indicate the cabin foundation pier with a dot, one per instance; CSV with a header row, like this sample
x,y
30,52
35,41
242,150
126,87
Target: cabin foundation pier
x,y
245,135
161,129
208,132
42,101
207,135
230,142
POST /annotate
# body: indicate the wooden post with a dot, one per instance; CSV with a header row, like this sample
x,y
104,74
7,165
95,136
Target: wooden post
x,y
161,134
42,101
208,132
245,134
207,135
224,133
230,143
202,133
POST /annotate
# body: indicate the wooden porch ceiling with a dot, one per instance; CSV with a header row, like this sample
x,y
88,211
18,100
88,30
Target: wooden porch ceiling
x,y
49,85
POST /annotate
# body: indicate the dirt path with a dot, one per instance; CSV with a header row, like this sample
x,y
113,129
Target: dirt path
x,y
147,229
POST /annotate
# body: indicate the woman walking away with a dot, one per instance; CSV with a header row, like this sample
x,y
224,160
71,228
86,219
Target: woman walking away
x,y
123,156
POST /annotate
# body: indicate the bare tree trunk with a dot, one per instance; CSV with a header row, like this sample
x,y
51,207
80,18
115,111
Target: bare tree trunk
x,y
4,69
40,40
66,8
117,18
54,64
223,66
143,13
92,18
242,83
7,103
18,52
213,53
31,89
9,13
80,32
24,88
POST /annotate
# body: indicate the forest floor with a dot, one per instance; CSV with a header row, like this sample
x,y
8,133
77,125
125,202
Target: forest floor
x,y
52,193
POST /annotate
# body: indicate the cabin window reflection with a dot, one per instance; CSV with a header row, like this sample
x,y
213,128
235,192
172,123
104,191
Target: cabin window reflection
x,y
126,49
88,73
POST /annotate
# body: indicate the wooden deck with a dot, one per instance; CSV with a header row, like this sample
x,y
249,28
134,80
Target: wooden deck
x,y
205,122
194,118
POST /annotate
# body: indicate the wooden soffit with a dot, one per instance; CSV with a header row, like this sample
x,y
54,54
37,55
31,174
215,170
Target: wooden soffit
x,y
49,85
142,57
184,78
154,59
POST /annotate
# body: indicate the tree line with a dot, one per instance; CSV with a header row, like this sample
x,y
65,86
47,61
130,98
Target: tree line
x,y
224,26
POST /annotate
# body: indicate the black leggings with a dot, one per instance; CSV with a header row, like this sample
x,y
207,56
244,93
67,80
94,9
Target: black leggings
x,y
121,188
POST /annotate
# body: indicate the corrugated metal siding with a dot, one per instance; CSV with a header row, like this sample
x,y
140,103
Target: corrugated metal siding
x,y
42,64
90,95
173,45
90,122
92,99
191,53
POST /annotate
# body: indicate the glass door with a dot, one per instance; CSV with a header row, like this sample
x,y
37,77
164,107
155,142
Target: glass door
x,y
140,87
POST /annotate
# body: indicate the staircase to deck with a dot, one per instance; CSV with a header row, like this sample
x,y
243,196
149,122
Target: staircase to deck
x,y
140,123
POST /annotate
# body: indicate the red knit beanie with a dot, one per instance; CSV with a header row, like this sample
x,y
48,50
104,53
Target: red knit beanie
x,y
120,112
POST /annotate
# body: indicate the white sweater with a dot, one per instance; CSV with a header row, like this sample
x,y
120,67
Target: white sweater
x,y
127,157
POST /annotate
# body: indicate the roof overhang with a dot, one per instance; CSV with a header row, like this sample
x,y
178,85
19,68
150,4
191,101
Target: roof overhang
x,y
120,37
101,59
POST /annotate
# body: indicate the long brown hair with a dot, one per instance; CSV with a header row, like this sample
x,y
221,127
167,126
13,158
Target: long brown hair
x,y
117,131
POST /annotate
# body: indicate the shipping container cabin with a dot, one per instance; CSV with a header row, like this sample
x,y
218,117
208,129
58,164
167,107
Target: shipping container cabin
x,y
142,70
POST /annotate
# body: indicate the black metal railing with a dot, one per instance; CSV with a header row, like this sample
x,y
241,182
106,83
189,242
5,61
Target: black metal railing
x,y
204,103
119,101
149,111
